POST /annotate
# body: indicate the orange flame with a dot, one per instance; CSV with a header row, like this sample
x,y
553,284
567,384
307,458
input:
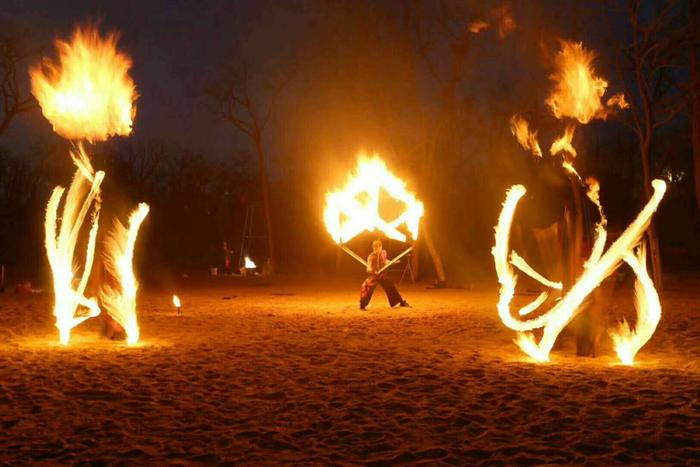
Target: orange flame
x,y
249,264
527,139
502,17
355,208
600,265
475,27
563,143
88,93
577,90
120,302
176,301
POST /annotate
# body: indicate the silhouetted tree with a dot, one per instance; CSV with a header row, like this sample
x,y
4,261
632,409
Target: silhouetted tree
x,y
13,99
694,94
646,70
231,99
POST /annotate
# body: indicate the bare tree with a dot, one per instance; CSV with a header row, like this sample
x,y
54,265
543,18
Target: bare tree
x,y
231,100
647,72
14,100
443,32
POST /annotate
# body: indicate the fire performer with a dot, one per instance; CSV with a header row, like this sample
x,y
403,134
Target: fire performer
x,y
375,262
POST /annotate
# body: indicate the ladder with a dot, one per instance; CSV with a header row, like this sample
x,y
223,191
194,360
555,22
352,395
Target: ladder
x,y
247,237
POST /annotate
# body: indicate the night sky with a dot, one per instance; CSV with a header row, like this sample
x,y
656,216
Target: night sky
x,y
177,47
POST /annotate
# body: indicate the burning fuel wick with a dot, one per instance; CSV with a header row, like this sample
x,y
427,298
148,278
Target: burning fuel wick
x,y
178,305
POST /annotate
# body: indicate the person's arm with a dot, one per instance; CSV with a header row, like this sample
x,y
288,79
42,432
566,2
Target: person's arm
x,y
370,263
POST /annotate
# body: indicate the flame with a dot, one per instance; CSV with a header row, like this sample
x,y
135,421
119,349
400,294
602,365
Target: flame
x,y
521,130
475,27
577,94
600,265
60,248
176,301
120,302
355,208
627,342
249,264
563,143
503,18
578,91
88,93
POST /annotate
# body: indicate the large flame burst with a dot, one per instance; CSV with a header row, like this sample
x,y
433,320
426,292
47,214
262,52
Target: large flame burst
x,y
355,208
577,90
88,93
120,302
577,95
599,265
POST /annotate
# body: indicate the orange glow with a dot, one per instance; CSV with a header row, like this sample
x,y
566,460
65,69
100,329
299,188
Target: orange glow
x,y
249,264
176,301
477,26
577,90
87,93
527,139
355,208
120,302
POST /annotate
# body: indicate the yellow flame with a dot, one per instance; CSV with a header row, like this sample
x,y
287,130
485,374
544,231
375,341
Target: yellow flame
x,y
578,91
599,266
249,264
627,342
563,143
176,301
60,248
527,139
355,208
120,302
88,93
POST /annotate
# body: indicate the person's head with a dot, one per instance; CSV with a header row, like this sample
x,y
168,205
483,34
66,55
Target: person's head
x,y
377,246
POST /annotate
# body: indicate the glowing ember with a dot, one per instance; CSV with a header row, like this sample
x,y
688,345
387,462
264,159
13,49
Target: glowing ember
x,y
176,301
88,93
578,91
527,139
249,264
599,266
355,208
60,248
120,302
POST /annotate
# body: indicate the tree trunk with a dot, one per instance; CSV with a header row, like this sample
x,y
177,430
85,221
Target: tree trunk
x,y
652,238
695,95
439,269
265,201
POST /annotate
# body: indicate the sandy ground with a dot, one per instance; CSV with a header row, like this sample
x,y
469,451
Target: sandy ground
x,y
272,373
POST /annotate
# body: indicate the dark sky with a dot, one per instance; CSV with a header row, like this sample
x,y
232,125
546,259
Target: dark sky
x,y
176,46
358,83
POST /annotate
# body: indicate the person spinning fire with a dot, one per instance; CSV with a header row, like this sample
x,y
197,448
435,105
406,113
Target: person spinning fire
x,y
375,262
